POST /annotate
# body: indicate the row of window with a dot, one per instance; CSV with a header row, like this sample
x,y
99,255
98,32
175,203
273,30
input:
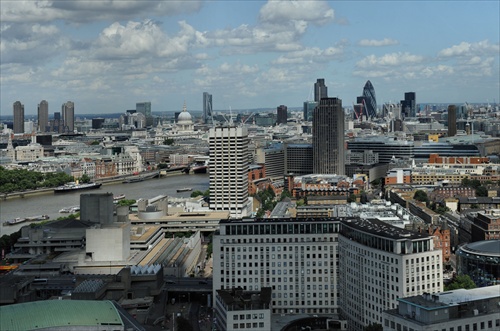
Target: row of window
x,y
486,325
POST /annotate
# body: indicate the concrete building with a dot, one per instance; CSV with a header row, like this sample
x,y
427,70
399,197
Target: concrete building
x,y
43,116
486,225
296,258
97,208
236,309
18,114
328,137
457,310
380,263
229,161
143,108
68,116
398,176
273,157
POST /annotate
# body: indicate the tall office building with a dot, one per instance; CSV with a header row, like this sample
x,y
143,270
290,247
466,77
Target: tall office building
x,y
452,120
328,137
381,263
370,101
43,116
282,114
207,107
408,105
308,109
18,112
296,258
229,160
144,108
68,116
320,90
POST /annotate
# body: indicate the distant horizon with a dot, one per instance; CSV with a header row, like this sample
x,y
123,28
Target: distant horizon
x,y
264,109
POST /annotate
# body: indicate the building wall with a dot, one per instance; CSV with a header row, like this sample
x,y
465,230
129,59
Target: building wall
x,y
229,170
99,241
299,265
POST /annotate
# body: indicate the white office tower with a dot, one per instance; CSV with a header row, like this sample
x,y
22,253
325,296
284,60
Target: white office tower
x,y
380,263
295,257
229,161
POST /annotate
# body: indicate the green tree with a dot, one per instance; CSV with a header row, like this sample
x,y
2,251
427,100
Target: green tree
x,y
351,198
460,281
168,141
481,191
421,195
196,193
285,194
126,202
85,178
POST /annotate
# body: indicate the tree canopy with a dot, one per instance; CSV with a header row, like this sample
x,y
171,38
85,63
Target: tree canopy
x,y
22,180
460,281
421,195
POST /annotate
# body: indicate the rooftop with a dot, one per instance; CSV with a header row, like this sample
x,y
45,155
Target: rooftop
x,y
382,229
58,314
237,299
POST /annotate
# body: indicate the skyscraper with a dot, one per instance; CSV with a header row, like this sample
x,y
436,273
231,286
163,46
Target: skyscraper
x,y
408,105
308,109
452,120
282,114
68,116
18,109
207,107
143,107
229,159
328,137
320,89
43,116
370,101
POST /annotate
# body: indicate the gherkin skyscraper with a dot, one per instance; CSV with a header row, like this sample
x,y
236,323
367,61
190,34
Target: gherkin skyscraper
x,y
370,99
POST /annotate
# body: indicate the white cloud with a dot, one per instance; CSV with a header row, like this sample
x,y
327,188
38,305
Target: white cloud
x,y
378,43
470,49
280,12
25,43
392,59
88,11
310,55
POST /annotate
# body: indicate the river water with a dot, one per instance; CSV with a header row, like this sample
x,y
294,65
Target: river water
x,y
50,204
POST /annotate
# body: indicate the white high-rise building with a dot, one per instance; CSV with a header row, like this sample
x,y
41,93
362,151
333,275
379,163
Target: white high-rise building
x,y
295,257
380,263
229,159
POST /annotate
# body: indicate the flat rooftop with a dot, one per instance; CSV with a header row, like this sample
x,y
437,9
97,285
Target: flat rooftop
x,y
381,229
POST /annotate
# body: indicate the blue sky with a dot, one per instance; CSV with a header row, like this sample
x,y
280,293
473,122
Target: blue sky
x,y
107,55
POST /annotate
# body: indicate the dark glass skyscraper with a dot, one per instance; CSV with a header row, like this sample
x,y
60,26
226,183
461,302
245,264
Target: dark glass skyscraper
x,y
282,114
370,101
408,105
18,110
452,120
320,89
43,116
207,107
68,116
328,137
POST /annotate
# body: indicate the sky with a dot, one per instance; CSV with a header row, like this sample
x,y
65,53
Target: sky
x,y
107,55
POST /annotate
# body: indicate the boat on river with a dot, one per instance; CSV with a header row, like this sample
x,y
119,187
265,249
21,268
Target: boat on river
x,y
75,186
184,189
19,220
70,210
119,197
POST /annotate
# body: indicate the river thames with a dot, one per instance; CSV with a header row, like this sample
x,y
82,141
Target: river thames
x,y
50,204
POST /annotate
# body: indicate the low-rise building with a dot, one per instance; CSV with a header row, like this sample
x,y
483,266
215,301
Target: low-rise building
x,y
457,310
236,309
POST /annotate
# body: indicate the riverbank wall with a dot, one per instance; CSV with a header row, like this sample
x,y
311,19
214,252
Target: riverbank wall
x,y
103,181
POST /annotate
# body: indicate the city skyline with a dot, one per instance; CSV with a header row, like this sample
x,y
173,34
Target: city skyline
x,y
107,57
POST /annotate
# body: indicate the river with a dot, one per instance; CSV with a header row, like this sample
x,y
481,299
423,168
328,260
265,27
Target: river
x,y
50,204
